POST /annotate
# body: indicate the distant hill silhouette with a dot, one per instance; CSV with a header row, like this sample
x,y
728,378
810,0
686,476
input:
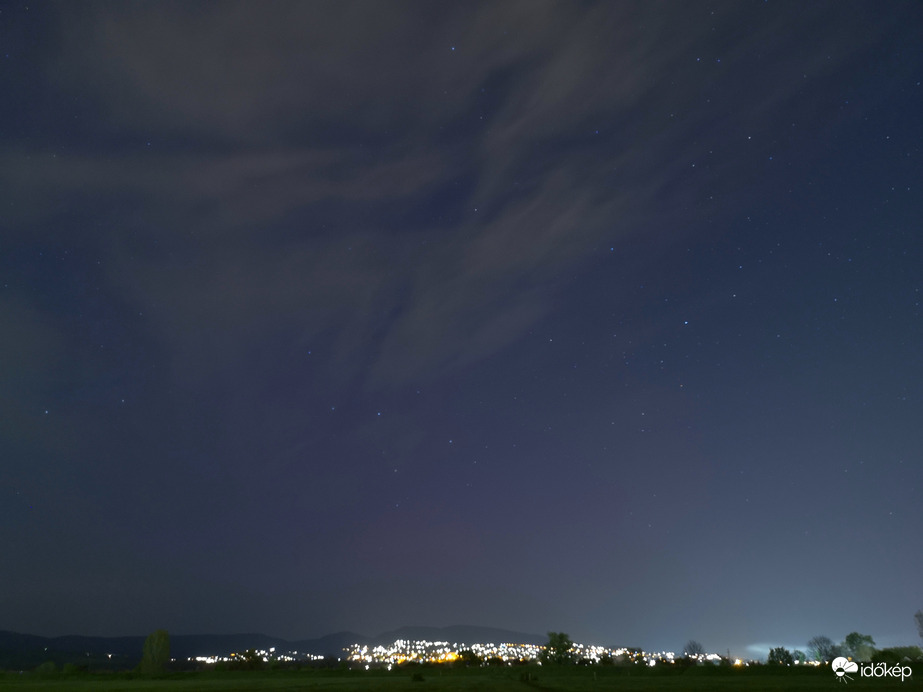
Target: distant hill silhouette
x,y
467,634
25,651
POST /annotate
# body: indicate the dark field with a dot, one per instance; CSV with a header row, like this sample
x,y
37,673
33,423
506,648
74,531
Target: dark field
x,y
484,679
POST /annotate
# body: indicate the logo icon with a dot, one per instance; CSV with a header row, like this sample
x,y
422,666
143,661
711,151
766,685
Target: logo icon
x,y
842,666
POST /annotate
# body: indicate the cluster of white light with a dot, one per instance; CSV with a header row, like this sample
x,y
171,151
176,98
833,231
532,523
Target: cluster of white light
x,y
403,650
705,658
422,651
211,659
506,652
262,654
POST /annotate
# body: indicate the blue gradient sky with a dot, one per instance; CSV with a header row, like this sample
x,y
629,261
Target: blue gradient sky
x,y
593,317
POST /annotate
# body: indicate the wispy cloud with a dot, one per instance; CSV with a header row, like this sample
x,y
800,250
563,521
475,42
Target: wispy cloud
x,y
321,131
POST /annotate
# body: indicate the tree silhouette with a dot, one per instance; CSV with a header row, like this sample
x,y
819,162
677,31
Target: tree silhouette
x,y
558,648
859,646
156,653
780,656
251,660
918,618
468,657
822,649
693,648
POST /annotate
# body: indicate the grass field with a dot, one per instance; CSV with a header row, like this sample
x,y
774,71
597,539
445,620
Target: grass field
x,y
447,679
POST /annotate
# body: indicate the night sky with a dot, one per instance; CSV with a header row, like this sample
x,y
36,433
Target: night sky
x,y
594,317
